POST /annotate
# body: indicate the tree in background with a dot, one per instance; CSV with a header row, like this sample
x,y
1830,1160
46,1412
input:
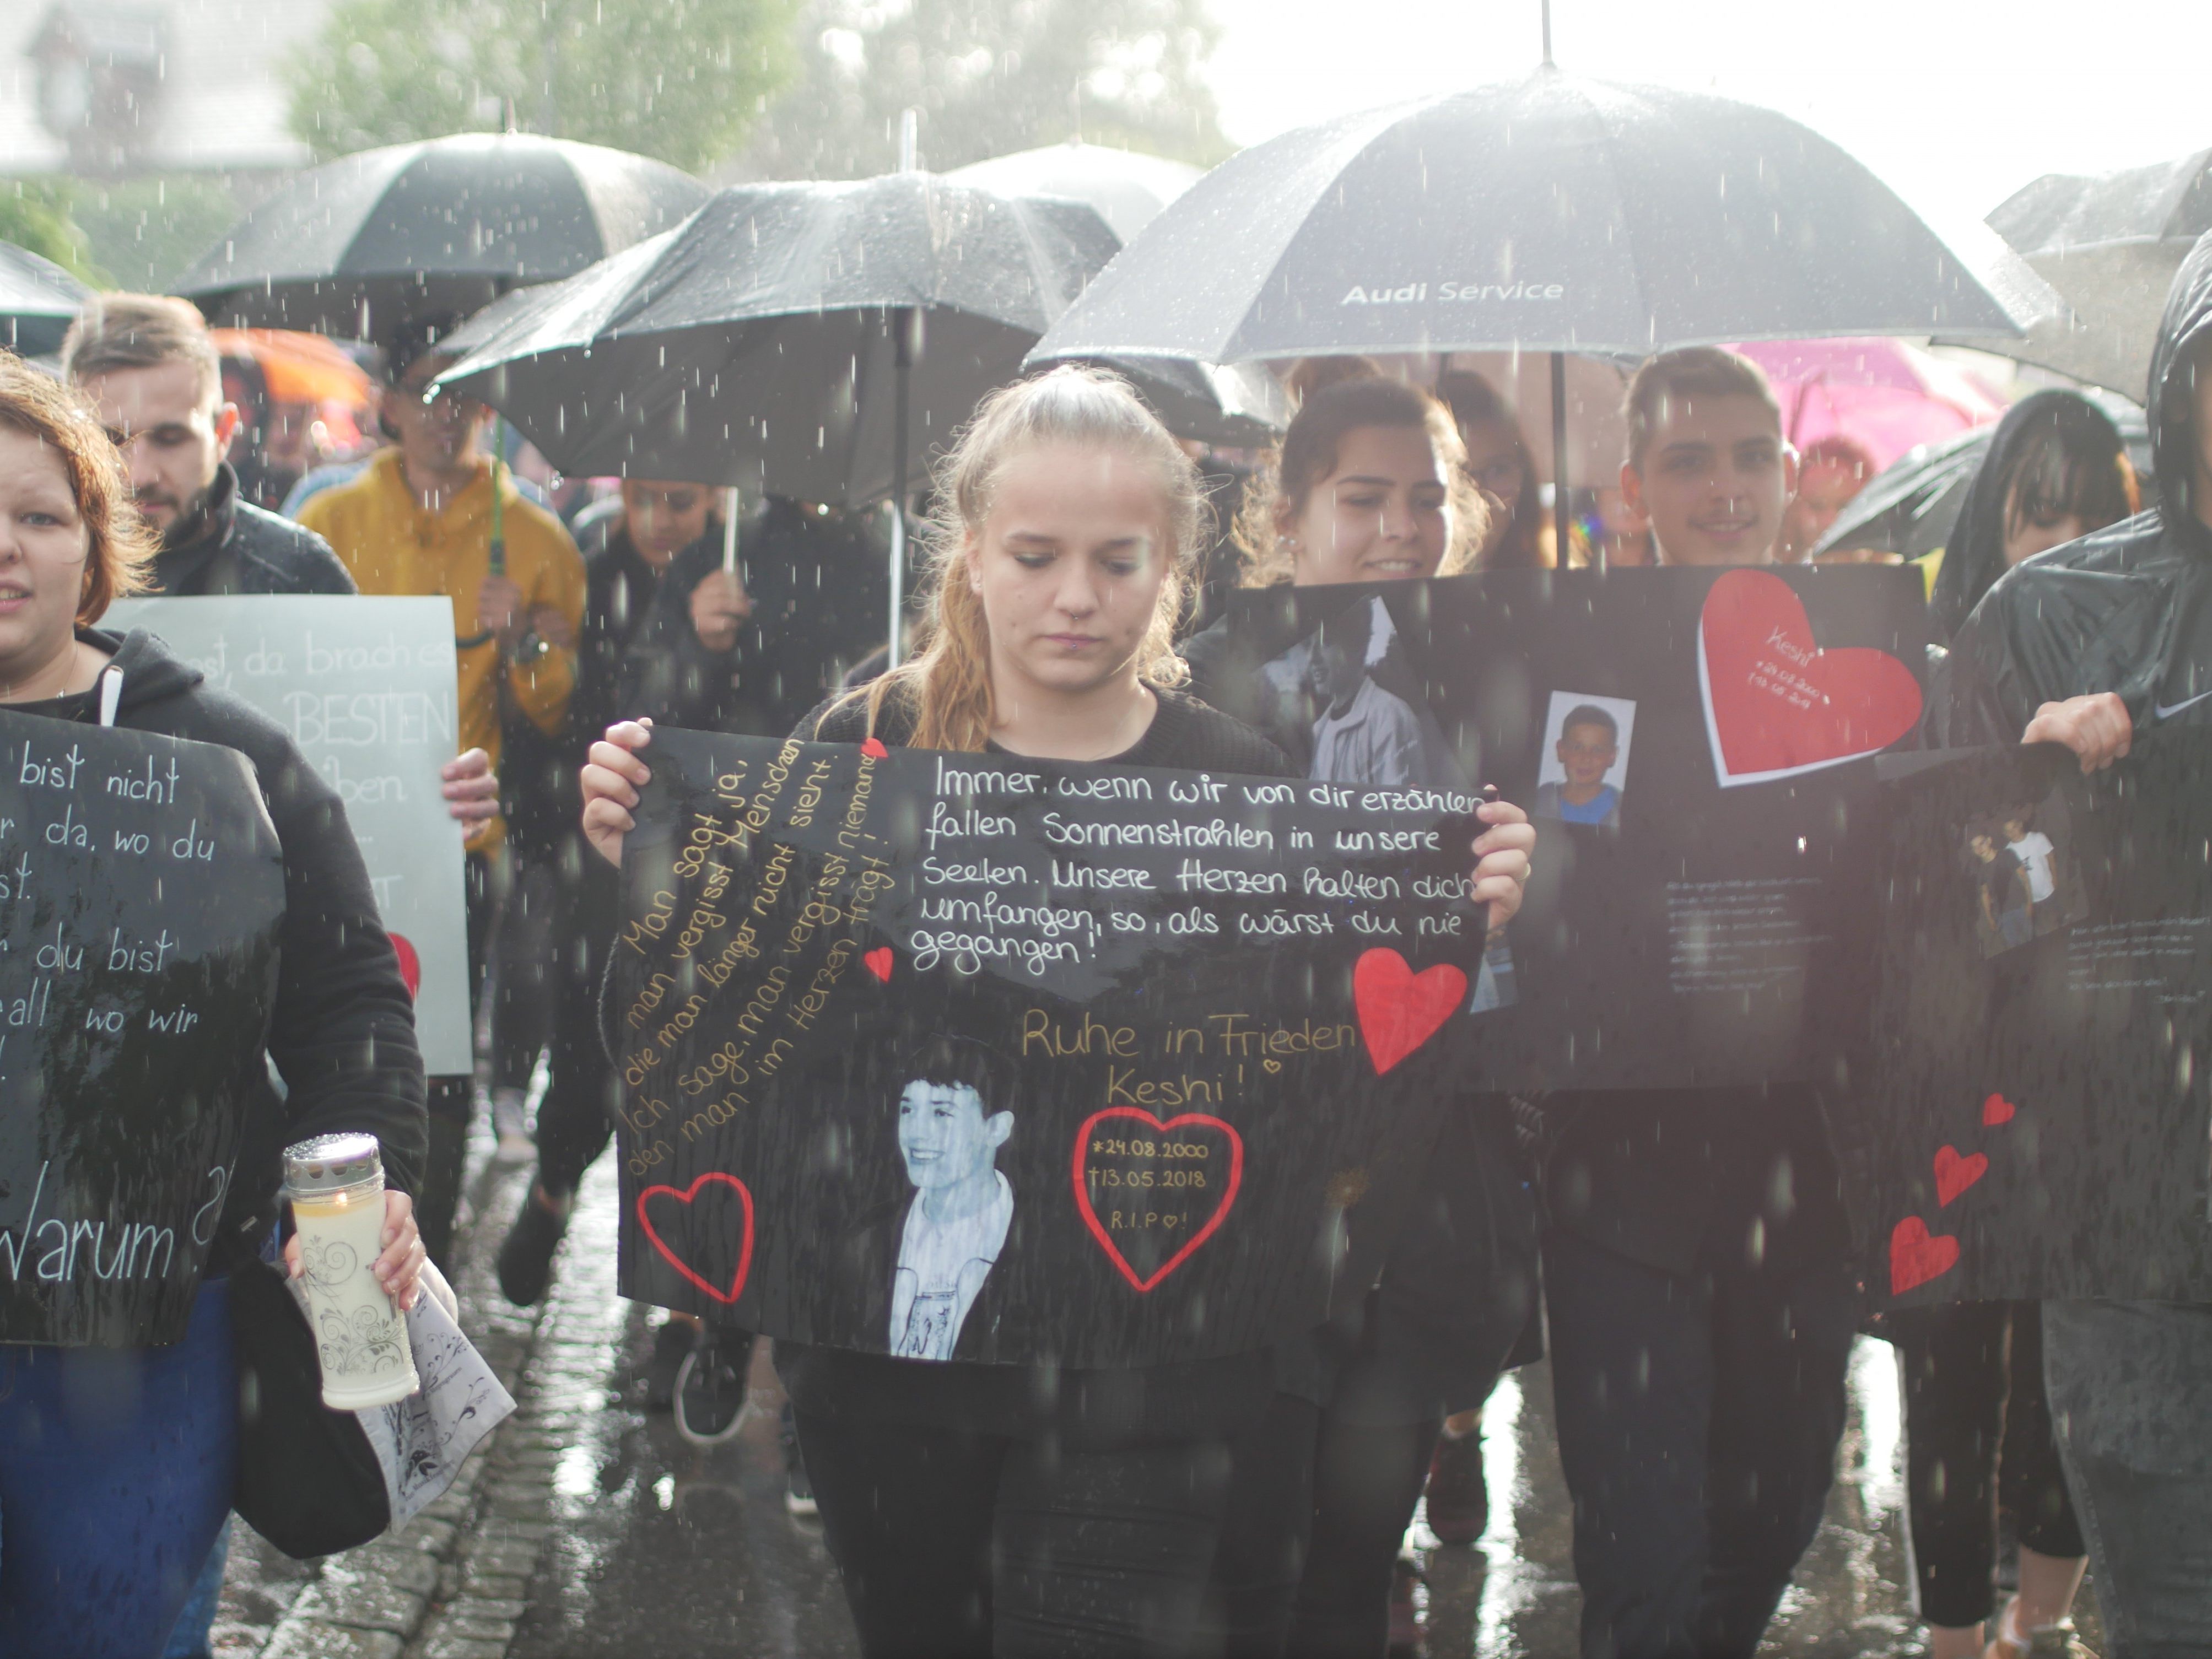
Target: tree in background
x,y
679,80
989,76
145,231
35,214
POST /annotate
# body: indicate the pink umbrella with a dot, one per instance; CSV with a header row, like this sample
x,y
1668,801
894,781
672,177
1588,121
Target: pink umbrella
x,y
1887,395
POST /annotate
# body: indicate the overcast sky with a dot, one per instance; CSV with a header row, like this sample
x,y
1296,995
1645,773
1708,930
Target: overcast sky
x,y
1956,103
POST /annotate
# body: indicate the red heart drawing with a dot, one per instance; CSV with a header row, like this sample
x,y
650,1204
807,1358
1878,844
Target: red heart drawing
x,y
1954,1173
878,962
874,749
686,1197
411,964
1399,1009
1775,703
1227,1193
1996,1109
1915,1258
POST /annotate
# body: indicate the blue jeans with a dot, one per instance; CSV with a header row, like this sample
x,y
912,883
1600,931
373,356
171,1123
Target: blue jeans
x,y
195,1624
2131,1387
116,1470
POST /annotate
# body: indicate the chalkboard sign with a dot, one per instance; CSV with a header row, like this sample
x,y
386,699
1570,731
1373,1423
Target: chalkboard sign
x,y
1695,748
981,1057
141,890
2035,1121
365,687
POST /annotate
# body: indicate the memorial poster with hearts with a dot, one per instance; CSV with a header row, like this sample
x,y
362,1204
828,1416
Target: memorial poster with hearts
x,y
142,888
2036,1118
1696,748
973,1057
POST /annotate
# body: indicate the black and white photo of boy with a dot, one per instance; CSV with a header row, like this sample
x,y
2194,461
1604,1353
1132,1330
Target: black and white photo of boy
x,y
953,1120
1364,732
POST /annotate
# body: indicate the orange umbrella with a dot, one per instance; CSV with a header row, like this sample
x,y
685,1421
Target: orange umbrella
x,y
297,368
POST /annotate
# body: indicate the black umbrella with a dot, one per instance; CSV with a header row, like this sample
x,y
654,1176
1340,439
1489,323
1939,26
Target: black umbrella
x,y
1910,506
2110,246
1555,215
353,248
37,301
787,337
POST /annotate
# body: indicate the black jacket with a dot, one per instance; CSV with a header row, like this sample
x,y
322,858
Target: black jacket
x,y
239,549
541,797
620,589
341,1033
2127,609
818,588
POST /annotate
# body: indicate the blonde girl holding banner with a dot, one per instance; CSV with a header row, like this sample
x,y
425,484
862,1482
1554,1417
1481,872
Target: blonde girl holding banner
x,y
1021,1510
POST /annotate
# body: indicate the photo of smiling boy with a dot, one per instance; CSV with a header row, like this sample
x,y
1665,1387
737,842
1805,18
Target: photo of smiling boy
x,y
949,1136
1587,749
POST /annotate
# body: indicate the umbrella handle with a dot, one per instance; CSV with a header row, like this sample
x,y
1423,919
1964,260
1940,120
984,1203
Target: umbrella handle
x,y
1562,518
498,516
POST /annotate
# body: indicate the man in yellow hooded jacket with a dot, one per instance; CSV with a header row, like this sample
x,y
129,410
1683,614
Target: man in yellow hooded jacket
x,y
420,520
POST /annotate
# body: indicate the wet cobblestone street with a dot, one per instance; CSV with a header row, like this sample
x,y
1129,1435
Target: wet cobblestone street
x,y
592,1530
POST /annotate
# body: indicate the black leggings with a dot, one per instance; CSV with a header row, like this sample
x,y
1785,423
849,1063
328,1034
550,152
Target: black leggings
x,y
1366,1482
575,1119
1978,1432
960,1545
1318,1516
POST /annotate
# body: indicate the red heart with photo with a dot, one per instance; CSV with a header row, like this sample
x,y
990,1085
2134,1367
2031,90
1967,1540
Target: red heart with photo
x,y
1776,703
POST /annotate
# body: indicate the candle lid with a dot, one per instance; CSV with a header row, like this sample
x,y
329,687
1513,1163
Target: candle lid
x,y
329,1163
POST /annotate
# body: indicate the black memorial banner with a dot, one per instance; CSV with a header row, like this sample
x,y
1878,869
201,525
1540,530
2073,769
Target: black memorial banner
x,y
2037,1117
141,890
976,1056
1695,748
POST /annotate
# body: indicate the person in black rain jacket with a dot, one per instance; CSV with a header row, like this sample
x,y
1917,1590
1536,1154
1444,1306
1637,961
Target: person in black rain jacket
x,y
2087,645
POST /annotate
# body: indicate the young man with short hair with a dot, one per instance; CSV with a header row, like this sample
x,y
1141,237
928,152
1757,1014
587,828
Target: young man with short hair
x,y
1701,1313
151,367
2085,645
1706,464
419,520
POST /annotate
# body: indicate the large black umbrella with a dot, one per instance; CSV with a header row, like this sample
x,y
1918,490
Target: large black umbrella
x,y
353,248
813,339
1554,213
1240,405
1909,507
2110,246
37,301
